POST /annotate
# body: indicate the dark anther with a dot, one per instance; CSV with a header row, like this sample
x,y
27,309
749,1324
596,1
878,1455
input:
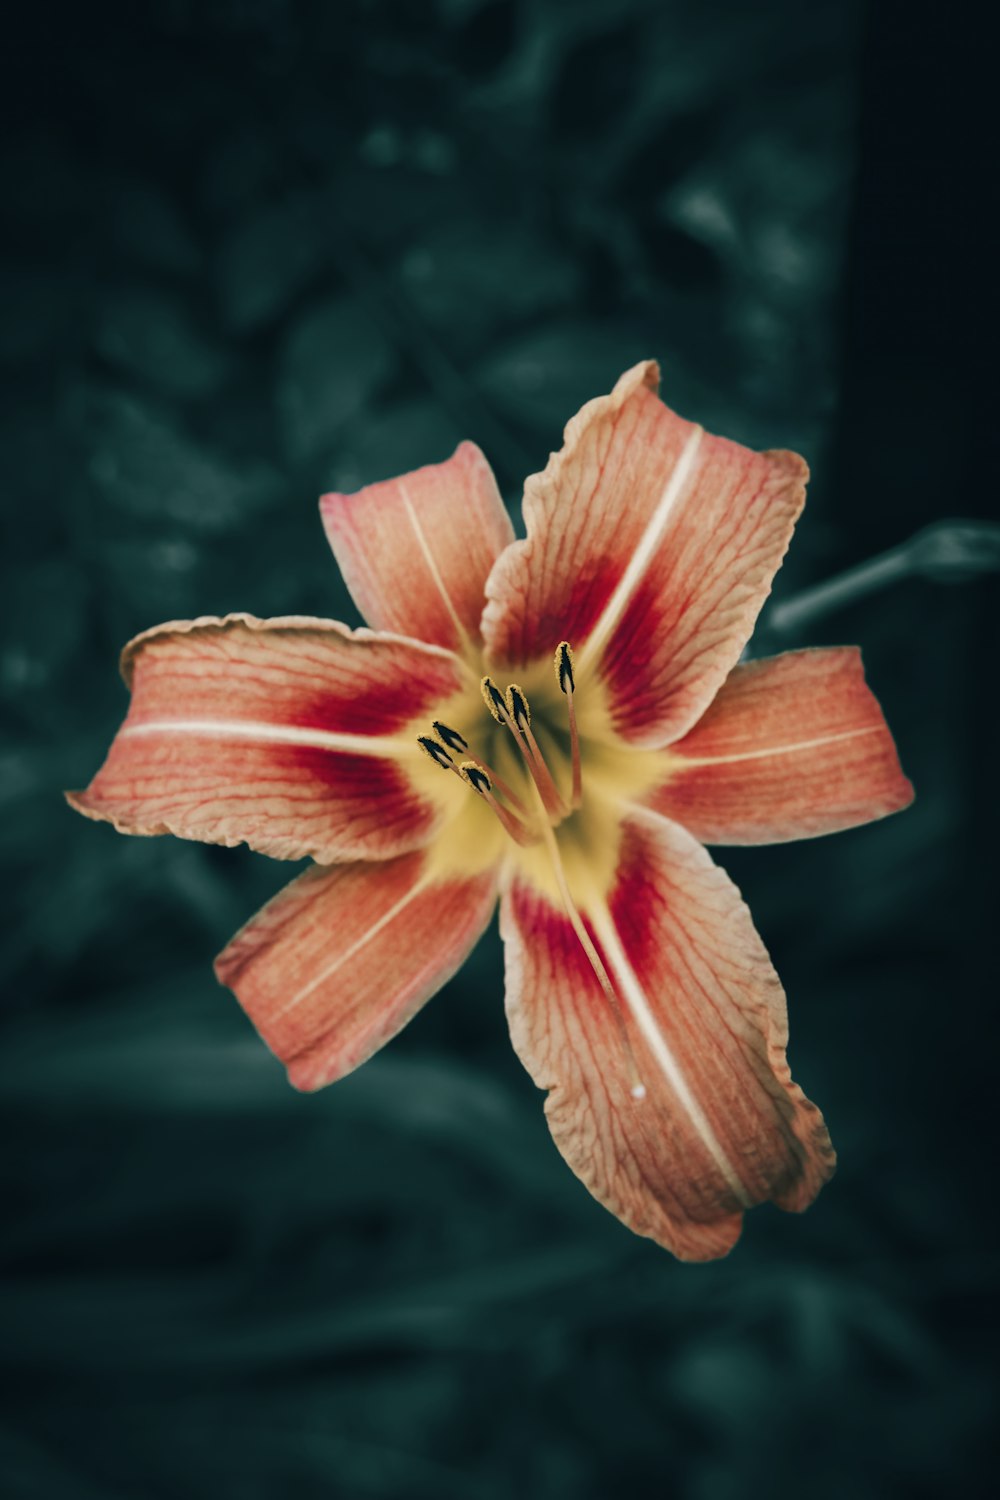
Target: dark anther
x,y
517,705
494,699
476,778
564,667
451,737
436,751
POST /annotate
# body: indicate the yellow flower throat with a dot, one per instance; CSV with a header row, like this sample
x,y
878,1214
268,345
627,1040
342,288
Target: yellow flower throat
x,y
541,780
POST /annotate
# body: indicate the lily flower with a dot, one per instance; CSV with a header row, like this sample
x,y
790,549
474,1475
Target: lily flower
x,y
560,723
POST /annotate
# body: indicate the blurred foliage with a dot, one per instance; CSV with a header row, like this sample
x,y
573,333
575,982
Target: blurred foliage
x,y
255,249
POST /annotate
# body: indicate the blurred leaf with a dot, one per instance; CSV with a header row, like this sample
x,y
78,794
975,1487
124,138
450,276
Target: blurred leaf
x,y
541,377
268,257
35,310
151,334
597,81
148,228
141,463
334,360
953,551
472,279
390,441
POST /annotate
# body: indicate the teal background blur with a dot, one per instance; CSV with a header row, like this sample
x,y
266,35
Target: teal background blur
x,y
254,249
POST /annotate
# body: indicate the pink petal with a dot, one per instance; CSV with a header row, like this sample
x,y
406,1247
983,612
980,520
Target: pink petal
x,y
291,735
651,547
791,747
342,958
722,1126
416,551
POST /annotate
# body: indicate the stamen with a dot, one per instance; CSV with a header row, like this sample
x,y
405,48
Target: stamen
x,y
436,751
451,737
519,719
495,701
480,782
439,755
567,682
504,790
636,1086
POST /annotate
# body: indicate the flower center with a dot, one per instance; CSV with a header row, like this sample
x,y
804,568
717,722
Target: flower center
x,y
526,822
525,777
532,819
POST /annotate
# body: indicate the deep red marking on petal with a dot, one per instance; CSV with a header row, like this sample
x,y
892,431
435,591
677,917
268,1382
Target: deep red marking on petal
x,y
369,774
631,901
636,695
330,702
554,930
591,590
330,804
373,712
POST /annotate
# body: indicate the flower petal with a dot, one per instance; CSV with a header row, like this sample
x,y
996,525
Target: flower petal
x,y
651,547
342,958
284,734
416,551
791,747
722,1126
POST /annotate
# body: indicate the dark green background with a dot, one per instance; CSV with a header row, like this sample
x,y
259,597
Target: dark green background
x,y
254,249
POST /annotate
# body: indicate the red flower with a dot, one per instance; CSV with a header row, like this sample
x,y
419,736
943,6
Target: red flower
x,y
613,732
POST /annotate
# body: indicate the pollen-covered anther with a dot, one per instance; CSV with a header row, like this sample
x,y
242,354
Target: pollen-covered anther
x,y
451,737
476,777
517,707
436,751
564,667
494,699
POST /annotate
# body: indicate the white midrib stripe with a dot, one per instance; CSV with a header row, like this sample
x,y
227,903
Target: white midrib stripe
x,y
342,958
641,1011
432,566
643,554
273,734
825,739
